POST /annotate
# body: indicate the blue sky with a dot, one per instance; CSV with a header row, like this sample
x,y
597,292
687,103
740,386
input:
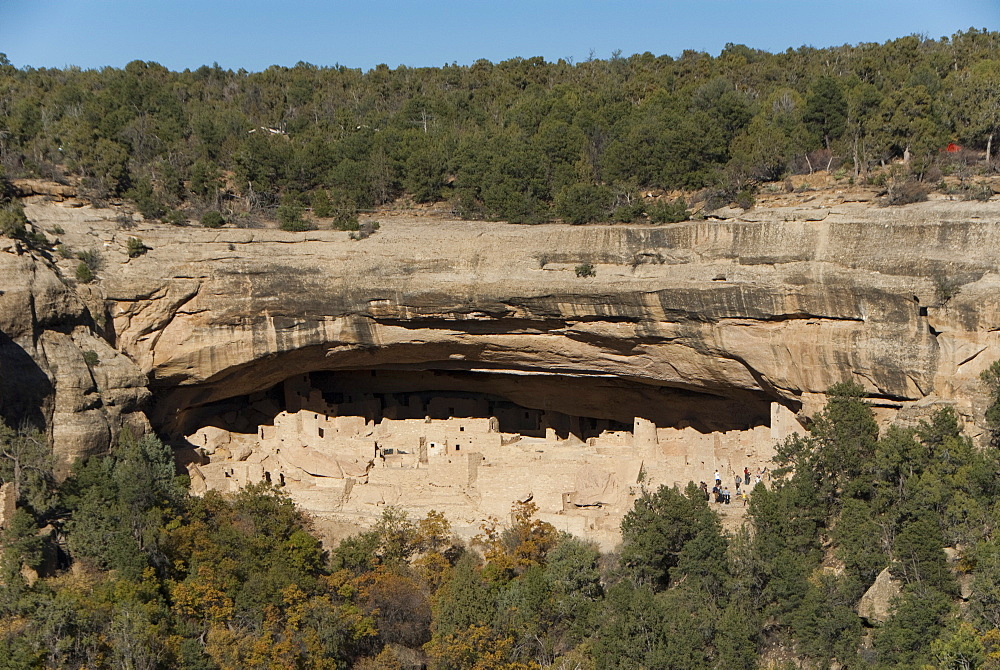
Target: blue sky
x,y
252,34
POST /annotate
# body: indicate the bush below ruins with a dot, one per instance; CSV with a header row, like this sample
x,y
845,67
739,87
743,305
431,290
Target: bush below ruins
x,y
216,580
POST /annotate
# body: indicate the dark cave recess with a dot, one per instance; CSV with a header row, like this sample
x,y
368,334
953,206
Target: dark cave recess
x,y
583,405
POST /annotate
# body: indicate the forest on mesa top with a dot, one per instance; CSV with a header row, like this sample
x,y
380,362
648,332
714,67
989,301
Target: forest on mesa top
x,y
522,140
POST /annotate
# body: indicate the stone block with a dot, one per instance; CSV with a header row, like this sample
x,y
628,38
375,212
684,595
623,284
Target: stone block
x,y
875,605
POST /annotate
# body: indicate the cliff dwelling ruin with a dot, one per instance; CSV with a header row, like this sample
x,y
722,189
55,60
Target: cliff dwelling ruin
x,y
577,392
469,443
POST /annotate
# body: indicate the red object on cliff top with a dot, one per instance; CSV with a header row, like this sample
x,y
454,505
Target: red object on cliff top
x,y
953,148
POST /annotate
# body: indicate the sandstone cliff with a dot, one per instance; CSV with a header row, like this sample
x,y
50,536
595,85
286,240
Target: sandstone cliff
x,y
697,319
56,370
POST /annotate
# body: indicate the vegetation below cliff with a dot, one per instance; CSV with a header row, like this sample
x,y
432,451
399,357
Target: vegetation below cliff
x,y
140,575
522,140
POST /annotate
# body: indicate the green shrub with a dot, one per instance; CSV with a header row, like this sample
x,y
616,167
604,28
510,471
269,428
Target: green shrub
x,y
212,219
91,358
13,221
673,211
322,206
345,220
290,217
65,251
146,200
745,199
91,258
90,263
585,270
296,226
58,230
877,179
991,379
465,205
981,192
136,248
84,274
7,191
345,213
628,213
175,217
583,203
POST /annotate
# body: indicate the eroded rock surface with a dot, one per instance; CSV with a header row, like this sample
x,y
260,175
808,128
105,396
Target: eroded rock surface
x,y
876,604
47,335
699,324
903,300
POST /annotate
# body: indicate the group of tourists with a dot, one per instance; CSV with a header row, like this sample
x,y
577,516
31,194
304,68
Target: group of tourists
x,y
723,494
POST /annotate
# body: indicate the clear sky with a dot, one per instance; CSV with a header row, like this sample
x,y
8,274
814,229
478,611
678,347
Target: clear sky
x,y
253,34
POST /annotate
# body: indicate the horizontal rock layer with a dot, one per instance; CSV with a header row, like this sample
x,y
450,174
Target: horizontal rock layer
x,y
776,304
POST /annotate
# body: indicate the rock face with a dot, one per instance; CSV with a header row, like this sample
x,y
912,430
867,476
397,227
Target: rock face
x,y
56,372
876,604
51,190
703,323
902,300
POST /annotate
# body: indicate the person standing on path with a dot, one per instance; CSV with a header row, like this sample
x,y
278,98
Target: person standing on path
x,y
746,475
718,478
